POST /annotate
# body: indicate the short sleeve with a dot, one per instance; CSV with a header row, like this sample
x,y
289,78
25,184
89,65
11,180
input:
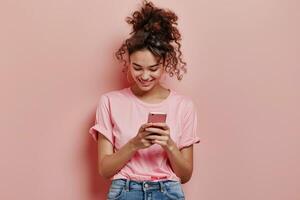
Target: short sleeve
x,y
103,122
189,126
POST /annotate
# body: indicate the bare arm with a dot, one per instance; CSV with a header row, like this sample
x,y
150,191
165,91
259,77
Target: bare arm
x,y
181,161
109,163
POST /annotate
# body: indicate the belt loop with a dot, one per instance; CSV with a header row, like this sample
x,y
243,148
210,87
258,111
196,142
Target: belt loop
x,y
162,187
127,185
143,185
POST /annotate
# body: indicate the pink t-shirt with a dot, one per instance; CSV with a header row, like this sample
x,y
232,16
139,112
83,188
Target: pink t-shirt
x,y
119,116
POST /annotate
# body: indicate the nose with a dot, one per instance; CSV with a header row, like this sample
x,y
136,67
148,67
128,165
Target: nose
x,y
145,76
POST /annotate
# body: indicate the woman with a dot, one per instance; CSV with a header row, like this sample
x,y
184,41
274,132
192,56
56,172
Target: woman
x,y
147,160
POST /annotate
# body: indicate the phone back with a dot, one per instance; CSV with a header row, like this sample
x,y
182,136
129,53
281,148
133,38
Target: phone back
x,y
157,117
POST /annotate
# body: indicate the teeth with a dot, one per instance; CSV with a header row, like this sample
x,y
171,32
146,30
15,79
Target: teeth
x,y
145,83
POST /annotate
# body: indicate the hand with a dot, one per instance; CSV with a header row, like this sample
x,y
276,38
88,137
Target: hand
x,y
160,134
140,141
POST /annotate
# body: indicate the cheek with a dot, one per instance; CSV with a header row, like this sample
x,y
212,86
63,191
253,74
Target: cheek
x,y
157,74
135,73
153,74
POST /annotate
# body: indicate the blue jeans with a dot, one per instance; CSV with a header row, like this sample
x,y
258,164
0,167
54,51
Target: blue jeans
x,y
124,189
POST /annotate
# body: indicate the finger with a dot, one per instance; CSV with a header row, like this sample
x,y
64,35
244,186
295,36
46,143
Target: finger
x,y
148,131
149,124
161,125
155,130
146,141
159,142
142,128
155,137
151,137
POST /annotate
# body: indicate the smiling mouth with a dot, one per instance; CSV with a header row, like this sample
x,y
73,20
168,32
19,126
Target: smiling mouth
x,y
147,83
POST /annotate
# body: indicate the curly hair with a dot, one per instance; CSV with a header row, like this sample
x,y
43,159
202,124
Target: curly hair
x,y
154,29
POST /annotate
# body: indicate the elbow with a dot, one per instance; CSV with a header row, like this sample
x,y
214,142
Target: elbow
x,y
186,177
102,172
102,169
105,175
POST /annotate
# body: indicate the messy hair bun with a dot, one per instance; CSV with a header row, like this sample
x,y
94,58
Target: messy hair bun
x,y
154,29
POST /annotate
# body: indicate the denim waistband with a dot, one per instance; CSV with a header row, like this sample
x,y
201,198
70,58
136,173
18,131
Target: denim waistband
x,y
143,185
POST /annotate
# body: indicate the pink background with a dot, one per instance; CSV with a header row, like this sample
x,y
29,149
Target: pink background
x,y
56,60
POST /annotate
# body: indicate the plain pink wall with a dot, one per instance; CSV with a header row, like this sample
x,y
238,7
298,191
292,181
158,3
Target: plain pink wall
x,y
56,60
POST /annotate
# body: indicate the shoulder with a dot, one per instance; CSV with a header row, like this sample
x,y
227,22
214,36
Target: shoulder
x,y
183,99
185,104
113,98
114,94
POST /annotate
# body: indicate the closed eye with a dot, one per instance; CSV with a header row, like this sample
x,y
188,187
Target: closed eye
x,y
139,69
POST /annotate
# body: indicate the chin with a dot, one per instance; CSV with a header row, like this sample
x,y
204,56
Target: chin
x,y
146,88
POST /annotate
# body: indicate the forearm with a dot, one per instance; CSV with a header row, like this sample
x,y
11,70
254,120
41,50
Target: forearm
x,y
111,164
180,166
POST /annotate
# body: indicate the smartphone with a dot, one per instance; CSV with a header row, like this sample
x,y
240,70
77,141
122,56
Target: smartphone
x,y
155,117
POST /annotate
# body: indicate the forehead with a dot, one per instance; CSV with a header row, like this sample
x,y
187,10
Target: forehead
x,y
143,57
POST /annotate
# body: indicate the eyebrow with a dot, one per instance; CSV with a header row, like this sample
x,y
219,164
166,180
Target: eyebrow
x,y
148,66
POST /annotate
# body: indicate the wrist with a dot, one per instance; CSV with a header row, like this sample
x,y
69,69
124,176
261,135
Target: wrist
x,y
132,146
171,146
